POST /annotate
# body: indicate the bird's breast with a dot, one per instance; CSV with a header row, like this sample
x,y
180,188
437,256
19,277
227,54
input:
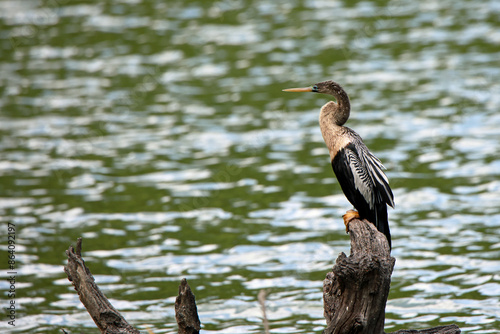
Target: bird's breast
x,y
335,137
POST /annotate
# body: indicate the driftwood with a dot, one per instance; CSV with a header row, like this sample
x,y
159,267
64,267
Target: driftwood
x,y
186,312
355,291
261,297
105,316
450,329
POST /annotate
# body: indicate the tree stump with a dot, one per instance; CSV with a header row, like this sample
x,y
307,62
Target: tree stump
x,y
105,316
355,291
186,312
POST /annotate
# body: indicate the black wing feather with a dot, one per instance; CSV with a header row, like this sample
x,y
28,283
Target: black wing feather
x,y
364,183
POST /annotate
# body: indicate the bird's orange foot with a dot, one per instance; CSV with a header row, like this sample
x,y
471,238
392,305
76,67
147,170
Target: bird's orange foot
x,y
349,215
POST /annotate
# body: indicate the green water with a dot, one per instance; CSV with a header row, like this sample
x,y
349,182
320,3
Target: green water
x,y
159,133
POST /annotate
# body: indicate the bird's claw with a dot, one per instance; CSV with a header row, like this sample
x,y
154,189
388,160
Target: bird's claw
x,y
349,215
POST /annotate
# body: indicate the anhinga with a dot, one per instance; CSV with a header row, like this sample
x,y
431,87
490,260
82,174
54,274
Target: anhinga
x,y
358,171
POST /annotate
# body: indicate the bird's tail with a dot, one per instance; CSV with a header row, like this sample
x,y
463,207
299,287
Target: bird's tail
x,y
382,222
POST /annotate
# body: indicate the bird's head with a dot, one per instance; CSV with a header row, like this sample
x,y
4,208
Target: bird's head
x,y
326,87
340,109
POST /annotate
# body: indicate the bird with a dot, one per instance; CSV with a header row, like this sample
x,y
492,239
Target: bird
x,y
359,173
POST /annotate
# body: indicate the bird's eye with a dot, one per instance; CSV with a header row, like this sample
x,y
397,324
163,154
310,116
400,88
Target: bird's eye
x,y
315,88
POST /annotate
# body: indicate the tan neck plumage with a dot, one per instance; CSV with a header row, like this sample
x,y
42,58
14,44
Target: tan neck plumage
x,y
331,119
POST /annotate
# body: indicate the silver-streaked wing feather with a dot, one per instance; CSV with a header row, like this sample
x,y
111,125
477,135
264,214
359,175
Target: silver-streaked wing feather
x,y
362,180
368,173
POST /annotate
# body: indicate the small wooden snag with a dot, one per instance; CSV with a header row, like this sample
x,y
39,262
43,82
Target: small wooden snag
x,y
186,312
261,297
105,316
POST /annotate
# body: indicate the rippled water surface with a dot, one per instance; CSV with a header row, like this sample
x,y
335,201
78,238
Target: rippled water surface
x,y
158,132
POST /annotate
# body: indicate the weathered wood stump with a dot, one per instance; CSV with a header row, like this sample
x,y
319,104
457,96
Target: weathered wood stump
x,y
105,316
186,312
355,291
450,329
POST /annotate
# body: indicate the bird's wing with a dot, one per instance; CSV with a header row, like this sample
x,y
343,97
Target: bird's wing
x,y
354,179
375,170
361,176
364,184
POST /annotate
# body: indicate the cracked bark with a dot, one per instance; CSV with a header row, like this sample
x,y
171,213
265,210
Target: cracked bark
x,y
355,291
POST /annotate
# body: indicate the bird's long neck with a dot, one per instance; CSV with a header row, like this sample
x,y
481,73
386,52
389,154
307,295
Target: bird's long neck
x,y
331,118
335,114
339,112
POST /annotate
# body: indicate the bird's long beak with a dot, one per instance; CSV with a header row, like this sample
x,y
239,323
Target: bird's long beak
x,y
299,90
